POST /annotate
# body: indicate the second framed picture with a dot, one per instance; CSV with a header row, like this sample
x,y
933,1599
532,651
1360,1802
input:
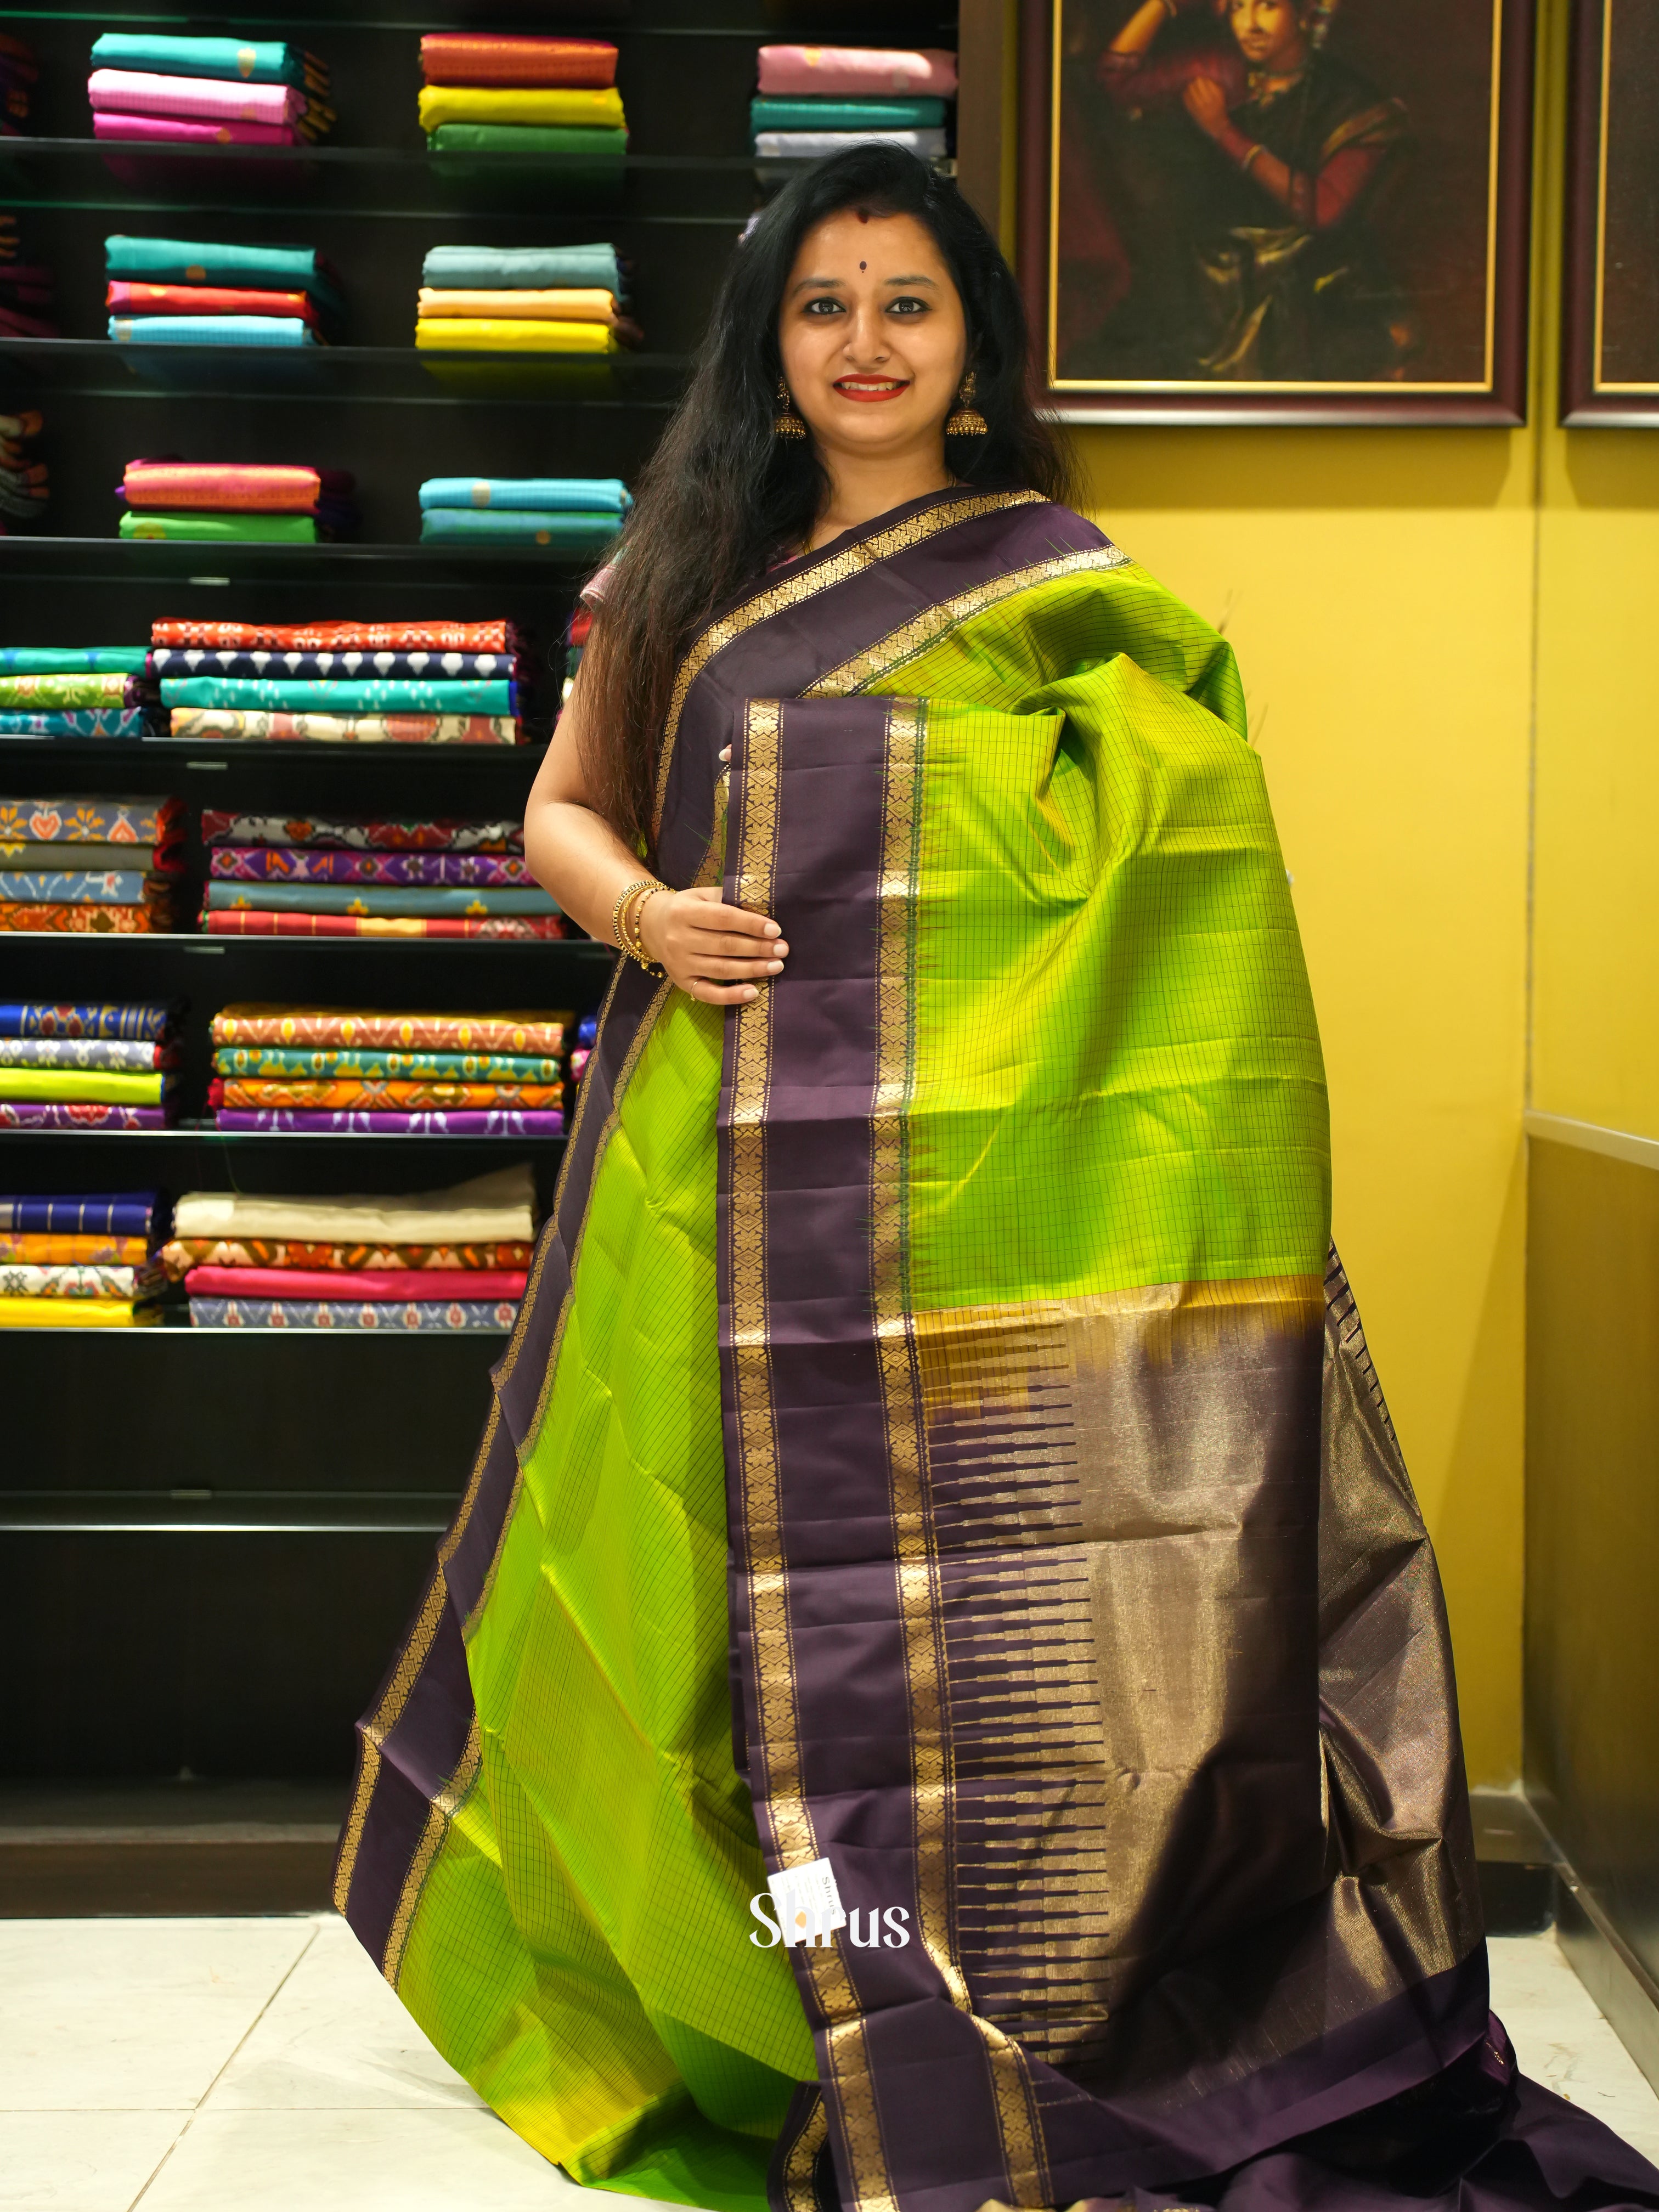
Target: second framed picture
x,y
1273,210
1610,362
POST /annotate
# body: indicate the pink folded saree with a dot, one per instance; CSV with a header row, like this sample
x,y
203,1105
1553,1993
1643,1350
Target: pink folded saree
x,y
230,486
173,130
200,99
874,70
389,1285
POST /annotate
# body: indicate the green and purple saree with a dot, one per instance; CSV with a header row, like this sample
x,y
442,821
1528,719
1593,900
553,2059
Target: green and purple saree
x,y
935,1442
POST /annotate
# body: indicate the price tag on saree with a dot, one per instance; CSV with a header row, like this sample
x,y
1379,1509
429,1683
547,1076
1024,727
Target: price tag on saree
x,y
808,1903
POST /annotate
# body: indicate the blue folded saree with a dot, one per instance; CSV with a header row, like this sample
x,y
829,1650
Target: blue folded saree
x,y
845,114
528,268
233,61
72,660
572,533
606,496
88,722
212,331
73,887
341,694
369,898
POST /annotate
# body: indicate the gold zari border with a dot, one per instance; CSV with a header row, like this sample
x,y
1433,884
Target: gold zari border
x,y
913,637
804,584
758,1476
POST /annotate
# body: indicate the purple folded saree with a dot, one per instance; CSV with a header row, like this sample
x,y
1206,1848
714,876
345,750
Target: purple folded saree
x,y
467,1121
25,1114
298,864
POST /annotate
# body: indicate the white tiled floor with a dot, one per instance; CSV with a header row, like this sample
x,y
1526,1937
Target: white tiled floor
x,y
200,2065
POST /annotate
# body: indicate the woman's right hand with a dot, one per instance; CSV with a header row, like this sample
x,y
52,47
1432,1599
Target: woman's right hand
x,y
718,953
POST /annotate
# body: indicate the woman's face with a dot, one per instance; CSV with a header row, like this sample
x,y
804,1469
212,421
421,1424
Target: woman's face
x,y
873,334
1269,34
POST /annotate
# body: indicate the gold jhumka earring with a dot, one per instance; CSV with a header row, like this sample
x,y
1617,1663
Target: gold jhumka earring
x,y
967,421
786,423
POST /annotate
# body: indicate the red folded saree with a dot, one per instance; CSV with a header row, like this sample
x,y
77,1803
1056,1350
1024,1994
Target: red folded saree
x,y
84,919
231,486
388,1285
474,58
130,299
329,636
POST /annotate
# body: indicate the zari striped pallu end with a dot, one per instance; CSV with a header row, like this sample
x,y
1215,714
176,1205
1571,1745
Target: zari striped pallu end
x,y
1077,1630
418,1742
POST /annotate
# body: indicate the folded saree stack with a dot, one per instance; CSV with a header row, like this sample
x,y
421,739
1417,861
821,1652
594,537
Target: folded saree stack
x,y
453,1259
79,1261
574,514
234,501
546,100
28,285
351,1071
814,101
277,876
88,1065
523,298
88,865
20,72
168,91
71,691
25,486
340,682
175,291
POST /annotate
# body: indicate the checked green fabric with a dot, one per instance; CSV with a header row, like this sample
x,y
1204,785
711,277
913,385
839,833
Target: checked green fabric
x,y
1117,1082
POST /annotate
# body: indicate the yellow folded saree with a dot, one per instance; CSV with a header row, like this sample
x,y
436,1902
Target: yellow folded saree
x,y
69,1313
590,306
466,103
100,1087
500,334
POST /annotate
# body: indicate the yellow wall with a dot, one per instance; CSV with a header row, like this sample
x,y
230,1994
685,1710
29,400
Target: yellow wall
x,y
1595,1006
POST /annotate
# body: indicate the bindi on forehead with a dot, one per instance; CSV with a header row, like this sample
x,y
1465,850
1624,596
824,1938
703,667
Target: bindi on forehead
x,y
863,265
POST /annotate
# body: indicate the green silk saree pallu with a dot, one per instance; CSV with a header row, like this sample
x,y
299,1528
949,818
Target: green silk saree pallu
x,y
936,1443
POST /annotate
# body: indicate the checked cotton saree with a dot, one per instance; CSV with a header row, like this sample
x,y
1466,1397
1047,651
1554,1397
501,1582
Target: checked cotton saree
x,y
936,1440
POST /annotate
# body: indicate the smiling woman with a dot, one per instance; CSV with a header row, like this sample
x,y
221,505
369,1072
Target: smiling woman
x,y
936,1484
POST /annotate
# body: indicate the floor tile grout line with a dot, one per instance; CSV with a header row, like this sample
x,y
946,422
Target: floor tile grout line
x,y
190,2116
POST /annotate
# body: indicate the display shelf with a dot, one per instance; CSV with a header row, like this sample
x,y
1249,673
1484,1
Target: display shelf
x,y
97,367
244,1515
136,560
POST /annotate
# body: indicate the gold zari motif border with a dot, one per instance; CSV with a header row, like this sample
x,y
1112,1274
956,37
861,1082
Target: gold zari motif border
x,y
758,1472
806,584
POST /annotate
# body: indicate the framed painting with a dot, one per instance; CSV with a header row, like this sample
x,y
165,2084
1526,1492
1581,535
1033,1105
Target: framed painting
x,y
1610,353
1299,211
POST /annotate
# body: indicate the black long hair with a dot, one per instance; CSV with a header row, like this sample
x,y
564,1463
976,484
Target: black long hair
x,y
723,496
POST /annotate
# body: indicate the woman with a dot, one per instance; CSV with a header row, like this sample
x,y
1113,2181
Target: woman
x,y
1284,280
934,1467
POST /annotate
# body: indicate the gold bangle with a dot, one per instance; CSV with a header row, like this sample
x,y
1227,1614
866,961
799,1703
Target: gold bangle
x,y
1249,156
633,945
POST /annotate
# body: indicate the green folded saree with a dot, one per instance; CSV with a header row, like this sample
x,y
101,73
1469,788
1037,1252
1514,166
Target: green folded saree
x,y
907,1458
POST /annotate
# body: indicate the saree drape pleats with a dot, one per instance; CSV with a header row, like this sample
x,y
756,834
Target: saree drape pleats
x,y
937,1442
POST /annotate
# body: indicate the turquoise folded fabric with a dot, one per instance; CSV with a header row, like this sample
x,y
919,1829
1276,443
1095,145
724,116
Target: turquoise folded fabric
x,y
341,694
211,329
571,533
845,114
85,722
521,268
591,495
73,660
191,261
367,898
245,61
